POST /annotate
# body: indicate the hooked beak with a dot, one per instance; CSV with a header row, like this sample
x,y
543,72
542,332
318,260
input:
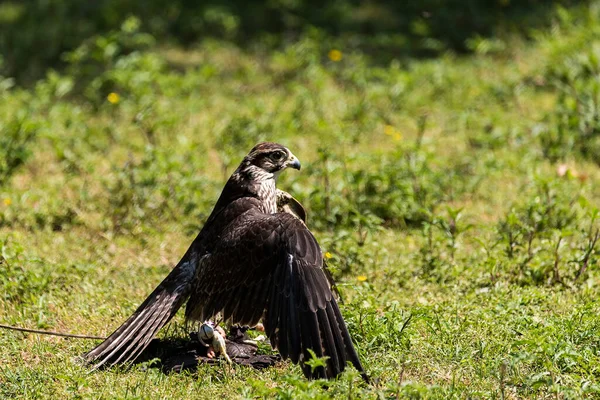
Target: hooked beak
x,y
293,162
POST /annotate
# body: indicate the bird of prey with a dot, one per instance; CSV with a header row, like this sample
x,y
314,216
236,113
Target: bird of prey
x,y
253,260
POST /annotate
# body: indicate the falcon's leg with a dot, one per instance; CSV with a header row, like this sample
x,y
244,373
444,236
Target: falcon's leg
x,y
213,338
218,344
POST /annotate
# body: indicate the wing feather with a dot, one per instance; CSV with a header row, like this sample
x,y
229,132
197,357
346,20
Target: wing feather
x,y
132,337
333,362
337,335
277,270
261,298
312,321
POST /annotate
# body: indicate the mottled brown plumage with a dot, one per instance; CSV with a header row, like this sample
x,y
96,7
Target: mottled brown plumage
x,y
254,260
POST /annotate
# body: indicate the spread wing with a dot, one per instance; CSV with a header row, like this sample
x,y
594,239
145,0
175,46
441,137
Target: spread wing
x,y
270,266
131,338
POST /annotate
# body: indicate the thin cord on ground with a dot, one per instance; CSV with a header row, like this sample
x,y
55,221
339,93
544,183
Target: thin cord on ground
x,y
71,335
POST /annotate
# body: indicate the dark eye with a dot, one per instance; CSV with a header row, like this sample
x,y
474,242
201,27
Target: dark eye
x,y
277,156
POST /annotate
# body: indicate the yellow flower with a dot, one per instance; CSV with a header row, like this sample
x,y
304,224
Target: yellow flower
x,y
335,55
389,130
7,201
113,98
328,255
361,278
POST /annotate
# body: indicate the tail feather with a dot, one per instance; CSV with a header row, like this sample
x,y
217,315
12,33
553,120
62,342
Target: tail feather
x,y
130,339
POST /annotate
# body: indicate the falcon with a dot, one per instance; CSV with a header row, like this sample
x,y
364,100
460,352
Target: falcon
x,y
254,260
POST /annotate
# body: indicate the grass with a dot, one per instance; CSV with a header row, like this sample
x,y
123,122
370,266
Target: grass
x,y
460,220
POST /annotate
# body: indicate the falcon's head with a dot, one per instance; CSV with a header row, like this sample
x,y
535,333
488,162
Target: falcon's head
x,y
272,157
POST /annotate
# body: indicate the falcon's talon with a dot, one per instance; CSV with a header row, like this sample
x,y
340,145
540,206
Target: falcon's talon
x,y
210,353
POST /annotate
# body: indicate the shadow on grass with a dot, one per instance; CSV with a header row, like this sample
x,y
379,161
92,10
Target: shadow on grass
x,y
178,355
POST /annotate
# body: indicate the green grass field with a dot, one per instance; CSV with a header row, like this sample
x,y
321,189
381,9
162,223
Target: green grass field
x,y
456,197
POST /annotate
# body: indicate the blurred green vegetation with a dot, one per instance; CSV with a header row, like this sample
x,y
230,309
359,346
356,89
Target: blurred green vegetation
x,y
35,33
456,194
